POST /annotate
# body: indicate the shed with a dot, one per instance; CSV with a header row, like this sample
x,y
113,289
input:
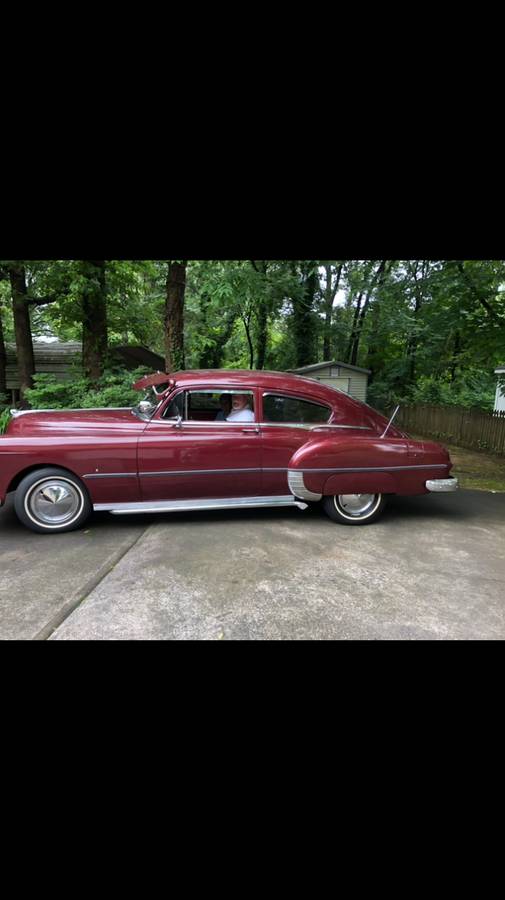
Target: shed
x,y
499,403
64,361
343,377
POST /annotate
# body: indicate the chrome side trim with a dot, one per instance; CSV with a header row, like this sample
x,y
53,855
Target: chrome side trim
x,y
352,427
441,485
201,472
110,475
29,412
297,486
160,506
189,423
186,472
307,427
373,469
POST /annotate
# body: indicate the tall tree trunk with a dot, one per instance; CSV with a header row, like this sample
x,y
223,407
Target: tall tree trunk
x,y
212,355
262,337
3,362
412,343
174,316
246,319
378,278
354,330
330,293
303,319
262,313
22,328
455,356
94,318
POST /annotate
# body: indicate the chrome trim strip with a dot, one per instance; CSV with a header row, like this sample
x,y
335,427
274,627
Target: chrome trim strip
x,y
28,412
187,472
373,469
300,425
111,475
188,423
120,509
200,472
442,485
352,427
220,391
297,486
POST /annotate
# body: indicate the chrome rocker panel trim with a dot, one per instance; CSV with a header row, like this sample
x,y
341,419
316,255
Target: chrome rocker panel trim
x,y
297,486
161,506
442,485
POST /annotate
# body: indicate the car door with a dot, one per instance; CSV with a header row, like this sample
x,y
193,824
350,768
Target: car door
x,y
286,421
195,456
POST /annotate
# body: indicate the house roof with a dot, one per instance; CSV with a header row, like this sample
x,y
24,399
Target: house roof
x,y
63,352
61,358
324,365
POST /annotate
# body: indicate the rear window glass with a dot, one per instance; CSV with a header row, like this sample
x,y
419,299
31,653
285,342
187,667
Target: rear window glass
x,y
277,408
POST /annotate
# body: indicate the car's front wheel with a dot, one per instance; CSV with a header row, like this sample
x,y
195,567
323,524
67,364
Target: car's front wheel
x,y
354,509
50,501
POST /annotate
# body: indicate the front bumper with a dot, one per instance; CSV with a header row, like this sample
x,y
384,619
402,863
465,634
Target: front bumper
x,y
442,485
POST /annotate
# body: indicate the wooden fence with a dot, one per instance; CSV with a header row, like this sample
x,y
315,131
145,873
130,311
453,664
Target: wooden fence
x,y
470,428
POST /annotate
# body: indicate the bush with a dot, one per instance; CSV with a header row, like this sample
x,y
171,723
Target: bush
x,y
476,392
113,389
5,418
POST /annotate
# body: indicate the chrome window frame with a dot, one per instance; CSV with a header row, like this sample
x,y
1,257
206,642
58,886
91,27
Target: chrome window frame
x,y
199,424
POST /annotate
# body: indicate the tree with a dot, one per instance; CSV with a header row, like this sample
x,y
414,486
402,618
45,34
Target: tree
x,y
303,322
93,291
333,275
174,315
3,362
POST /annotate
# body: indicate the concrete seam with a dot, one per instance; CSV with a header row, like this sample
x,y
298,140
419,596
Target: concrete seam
x,y
57,620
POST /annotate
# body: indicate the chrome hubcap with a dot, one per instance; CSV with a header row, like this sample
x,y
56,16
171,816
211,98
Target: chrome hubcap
x,y
54,502
357,505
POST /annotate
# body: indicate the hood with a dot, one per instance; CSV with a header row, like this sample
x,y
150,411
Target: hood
x,y
65,421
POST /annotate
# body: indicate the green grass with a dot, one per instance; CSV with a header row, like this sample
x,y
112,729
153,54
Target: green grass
x,y
476,470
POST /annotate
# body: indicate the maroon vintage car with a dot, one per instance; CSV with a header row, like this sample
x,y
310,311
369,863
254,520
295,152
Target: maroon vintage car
x,y
214,440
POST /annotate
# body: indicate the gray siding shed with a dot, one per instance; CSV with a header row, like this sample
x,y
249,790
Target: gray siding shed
x,y
351,380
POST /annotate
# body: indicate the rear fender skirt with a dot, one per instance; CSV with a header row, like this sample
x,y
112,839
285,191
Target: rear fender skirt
x,y
360,483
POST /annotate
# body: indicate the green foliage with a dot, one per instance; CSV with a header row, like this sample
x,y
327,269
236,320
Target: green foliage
x,y
429,330
5,417
114,389
478,391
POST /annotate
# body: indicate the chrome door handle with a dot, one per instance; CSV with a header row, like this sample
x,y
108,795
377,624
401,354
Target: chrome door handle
x,y
250,431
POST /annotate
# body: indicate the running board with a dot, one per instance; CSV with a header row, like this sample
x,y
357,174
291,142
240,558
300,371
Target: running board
x,y
162,506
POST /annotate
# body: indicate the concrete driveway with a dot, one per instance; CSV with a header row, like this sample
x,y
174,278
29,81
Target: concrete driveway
x,y
432,568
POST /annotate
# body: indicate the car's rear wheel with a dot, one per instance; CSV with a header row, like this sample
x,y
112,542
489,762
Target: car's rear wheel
x,y
50,501
354,509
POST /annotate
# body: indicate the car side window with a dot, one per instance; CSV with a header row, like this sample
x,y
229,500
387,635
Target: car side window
x,y
292,410
212,405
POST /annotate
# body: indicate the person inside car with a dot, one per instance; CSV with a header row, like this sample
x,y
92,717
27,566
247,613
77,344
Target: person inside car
x,y
241,411
225,403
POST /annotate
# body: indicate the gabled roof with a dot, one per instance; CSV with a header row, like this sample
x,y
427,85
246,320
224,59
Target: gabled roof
x,y
324,365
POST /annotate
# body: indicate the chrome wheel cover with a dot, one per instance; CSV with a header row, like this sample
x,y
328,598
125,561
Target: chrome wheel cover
x,y
54,502
357,506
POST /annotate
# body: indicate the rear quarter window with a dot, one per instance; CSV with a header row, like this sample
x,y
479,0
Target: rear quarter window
x,y
278,409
